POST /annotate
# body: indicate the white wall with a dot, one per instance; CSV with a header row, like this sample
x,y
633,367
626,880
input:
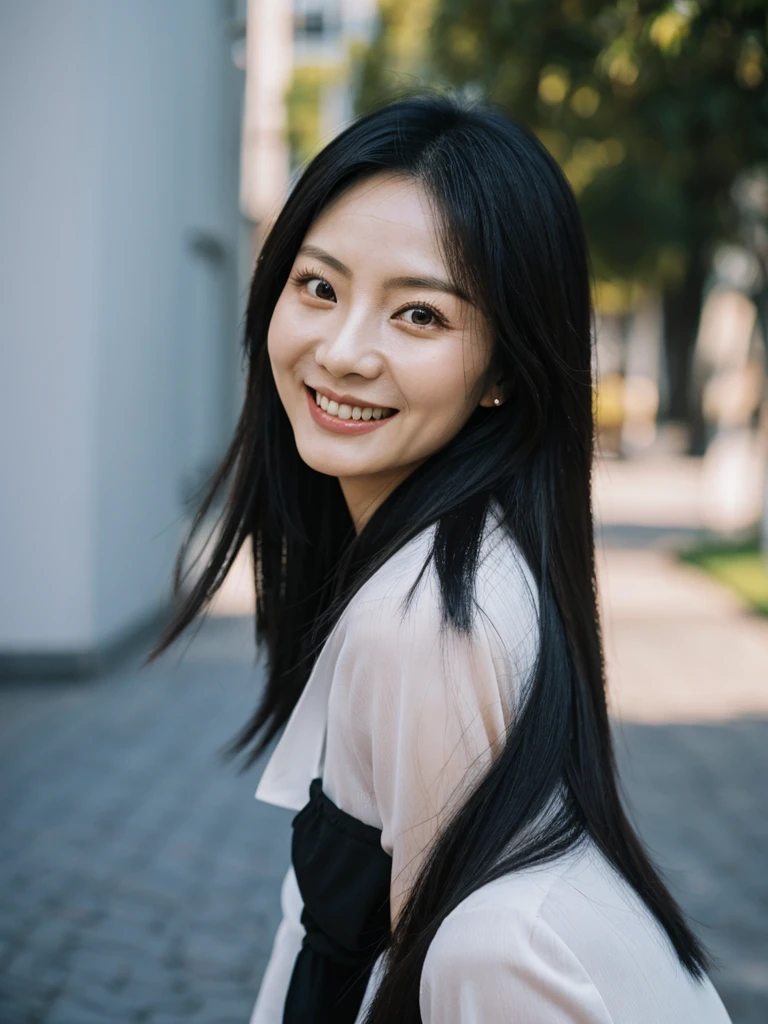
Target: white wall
x,y
119,129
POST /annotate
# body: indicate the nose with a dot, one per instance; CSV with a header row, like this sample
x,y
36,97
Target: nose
x,y
348,346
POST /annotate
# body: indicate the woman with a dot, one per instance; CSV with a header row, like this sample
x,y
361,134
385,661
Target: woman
x,y
413,466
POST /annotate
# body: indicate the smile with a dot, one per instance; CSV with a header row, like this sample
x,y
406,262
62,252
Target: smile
x,y
346,419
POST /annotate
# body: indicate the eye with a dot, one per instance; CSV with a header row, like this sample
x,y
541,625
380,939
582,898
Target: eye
x,y
426,316
321,286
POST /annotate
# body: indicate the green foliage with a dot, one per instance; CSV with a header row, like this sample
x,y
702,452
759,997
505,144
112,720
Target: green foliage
x,y
739,565
304,104
652,108
398,62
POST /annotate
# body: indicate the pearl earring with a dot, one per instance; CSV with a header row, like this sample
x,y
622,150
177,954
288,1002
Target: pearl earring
x,y
497,401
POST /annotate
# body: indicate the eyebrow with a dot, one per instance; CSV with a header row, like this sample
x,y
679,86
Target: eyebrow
x,y
437,284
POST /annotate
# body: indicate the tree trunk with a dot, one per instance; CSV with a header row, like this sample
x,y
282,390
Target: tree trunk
x,y
682,309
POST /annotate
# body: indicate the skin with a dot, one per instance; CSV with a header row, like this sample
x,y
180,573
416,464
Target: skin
x,y
351,332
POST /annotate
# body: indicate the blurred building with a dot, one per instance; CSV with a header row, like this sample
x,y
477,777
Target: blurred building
x,y
301,64
141,168
122,246
265,158
328,37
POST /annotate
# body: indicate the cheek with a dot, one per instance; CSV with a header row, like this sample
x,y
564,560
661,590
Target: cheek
x,y
440,389
288,337
280,338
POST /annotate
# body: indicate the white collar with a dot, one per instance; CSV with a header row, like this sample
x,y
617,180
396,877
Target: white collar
x,y
298,756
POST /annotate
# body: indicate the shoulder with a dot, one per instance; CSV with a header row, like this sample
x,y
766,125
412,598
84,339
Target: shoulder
x,y
561,897
501,959
569,934
384,615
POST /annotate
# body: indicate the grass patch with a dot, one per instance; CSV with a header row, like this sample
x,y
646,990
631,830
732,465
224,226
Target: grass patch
x,y
740,565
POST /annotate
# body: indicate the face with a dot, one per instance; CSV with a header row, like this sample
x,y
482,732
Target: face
x,y
377,361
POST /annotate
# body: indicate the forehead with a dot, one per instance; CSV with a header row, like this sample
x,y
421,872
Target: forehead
x,y
384,217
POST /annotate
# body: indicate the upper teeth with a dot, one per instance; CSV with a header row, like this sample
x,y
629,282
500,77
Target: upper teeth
x,y
350,412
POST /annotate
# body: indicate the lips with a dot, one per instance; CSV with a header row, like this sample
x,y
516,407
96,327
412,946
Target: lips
x,y
350,427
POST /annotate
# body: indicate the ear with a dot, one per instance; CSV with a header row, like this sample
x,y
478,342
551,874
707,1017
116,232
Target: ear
x,y
495,391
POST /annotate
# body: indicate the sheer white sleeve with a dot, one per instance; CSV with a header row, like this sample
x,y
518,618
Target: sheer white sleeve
x,y
428,710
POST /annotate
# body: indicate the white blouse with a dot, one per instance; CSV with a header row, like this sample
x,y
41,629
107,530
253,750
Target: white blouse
x,y
399,719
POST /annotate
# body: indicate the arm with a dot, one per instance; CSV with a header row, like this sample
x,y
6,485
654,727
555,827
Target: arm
x,y
431,714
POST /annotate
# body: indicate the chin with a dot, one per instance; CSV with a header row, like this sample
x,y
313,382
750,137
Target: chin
x,y
331,464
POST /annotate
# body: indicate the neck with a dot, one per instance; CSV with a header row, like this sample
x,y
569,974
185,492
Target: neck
x,y
364,494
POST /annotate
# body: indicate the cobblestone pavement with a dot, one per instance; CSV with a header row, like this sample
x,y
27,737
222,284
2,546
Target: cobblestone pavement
x,y
139,879
687,674
700,799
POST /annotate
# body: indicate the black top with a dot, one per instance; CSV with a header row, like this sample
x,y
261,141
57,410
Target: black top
x,y
344,876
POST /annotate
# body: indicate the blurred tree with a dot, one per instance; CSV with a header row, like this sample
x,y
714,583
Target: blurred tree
x,y
304,102
397,62
651,108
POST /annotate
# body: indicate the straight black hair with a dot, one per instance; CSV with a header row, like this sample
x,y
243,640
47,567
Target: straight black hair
x,y
513,240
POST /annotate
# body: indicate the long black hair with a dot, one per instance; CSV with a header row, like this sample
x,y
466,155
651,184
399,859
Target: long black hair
x,y
513,240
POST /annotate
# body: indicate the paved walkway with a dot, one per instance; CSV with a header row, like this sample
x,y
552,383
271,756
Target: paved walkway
x,y
688,686
139,878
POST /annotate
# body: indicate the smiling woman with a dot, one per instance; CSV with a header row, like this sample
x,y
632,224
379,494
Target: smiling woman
x,y
418,370
413,469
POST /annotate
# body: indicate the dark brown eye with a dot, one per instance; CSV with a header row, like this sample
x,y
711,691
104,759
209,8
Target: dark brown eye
x,y
323,290
422,317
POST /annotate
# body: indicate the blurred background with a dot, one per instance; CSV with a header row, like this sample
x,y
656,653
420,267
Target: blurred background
x,y
146,148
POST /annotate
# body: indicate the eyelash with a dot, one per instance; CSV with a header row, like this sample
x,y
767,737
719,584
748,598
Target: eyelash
x,y
302,276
